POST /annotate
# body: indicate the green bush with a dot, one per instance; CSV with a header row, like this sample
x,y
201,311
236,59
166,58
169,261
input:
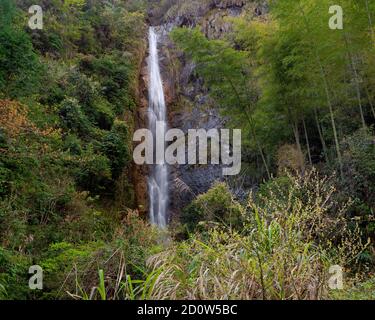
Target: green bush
x,y
52,91
114,72
71,269
20,67
364,290
73,118
359,164
94,172
114,146
95,107
5,179
217,205
61,260
73,145
358,181
14,277
268,188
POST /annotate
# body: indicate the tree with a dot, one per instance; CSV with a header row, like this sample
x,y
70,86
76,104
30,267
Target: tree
x,y
20,69
227,74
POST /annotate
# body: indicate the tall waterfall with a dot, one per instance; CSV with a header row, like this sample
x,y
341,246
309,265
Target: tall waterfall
x,y
158,177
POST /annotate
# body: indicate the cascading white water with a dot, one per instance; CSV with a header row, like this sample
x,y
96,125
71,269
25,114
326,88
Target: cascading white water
x,y
158,177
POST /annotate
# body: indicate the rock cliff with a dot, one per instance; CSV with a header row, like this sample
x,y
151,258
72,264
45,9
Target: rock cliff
x,y
189,105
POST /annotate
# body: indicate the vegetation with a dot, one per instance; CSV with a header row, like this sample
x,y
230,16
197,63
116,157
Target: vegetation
x,y
301,92
280,251
303,96
65,92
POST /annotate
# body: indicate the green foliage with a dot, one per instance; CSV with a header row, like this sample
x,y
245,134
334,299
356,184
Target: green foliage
x,y
114,73
217,205
278,187
94,172
358,183
95,107
224,69
75,266
73,118
7,12
115,148
64,148
61,259
364,290
359,160
14,269
284,246
141,289
20,68
5,178
284,78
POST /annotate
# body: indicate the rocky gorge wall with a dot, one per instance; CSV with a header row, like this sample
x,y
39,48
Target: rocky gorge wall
x,y
188,102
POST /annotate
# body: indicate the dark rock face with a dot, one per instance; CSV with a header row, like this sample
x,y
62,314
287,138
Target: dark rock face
x,y
188,102
190,13
140,173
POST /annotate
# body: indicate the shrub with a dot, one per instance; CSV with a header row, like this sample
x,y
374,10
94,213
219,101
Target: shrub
x,y
14,119
5,178
359,164
95,107
61,260
14,277
217,205
358,180
276,187
94,172
114,72
364,290
20,68
290,158
13,225
76,266
52,91
73,118
73,145
114,146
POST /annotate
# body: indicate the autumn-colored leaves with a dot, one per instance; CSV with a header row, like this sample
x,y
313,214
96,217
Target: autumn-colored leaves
x,y
14,120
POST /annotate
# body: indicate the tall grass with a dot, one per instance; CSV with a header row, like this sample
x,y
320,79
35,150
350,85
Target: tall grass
x,y
289,236
283,250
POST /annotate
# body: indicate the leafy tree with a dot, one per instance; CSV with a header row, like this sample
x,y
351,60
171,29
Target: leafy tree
x,y
114,146
227,74
19,65
73,118
114,73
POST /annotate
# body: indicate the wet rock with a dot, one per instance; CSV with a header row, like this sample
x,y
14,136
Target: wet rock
x,y
140,173
188,103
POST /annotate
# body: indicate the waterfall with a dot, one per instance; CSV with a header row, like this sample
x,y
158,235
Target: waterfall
x,y
158,176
